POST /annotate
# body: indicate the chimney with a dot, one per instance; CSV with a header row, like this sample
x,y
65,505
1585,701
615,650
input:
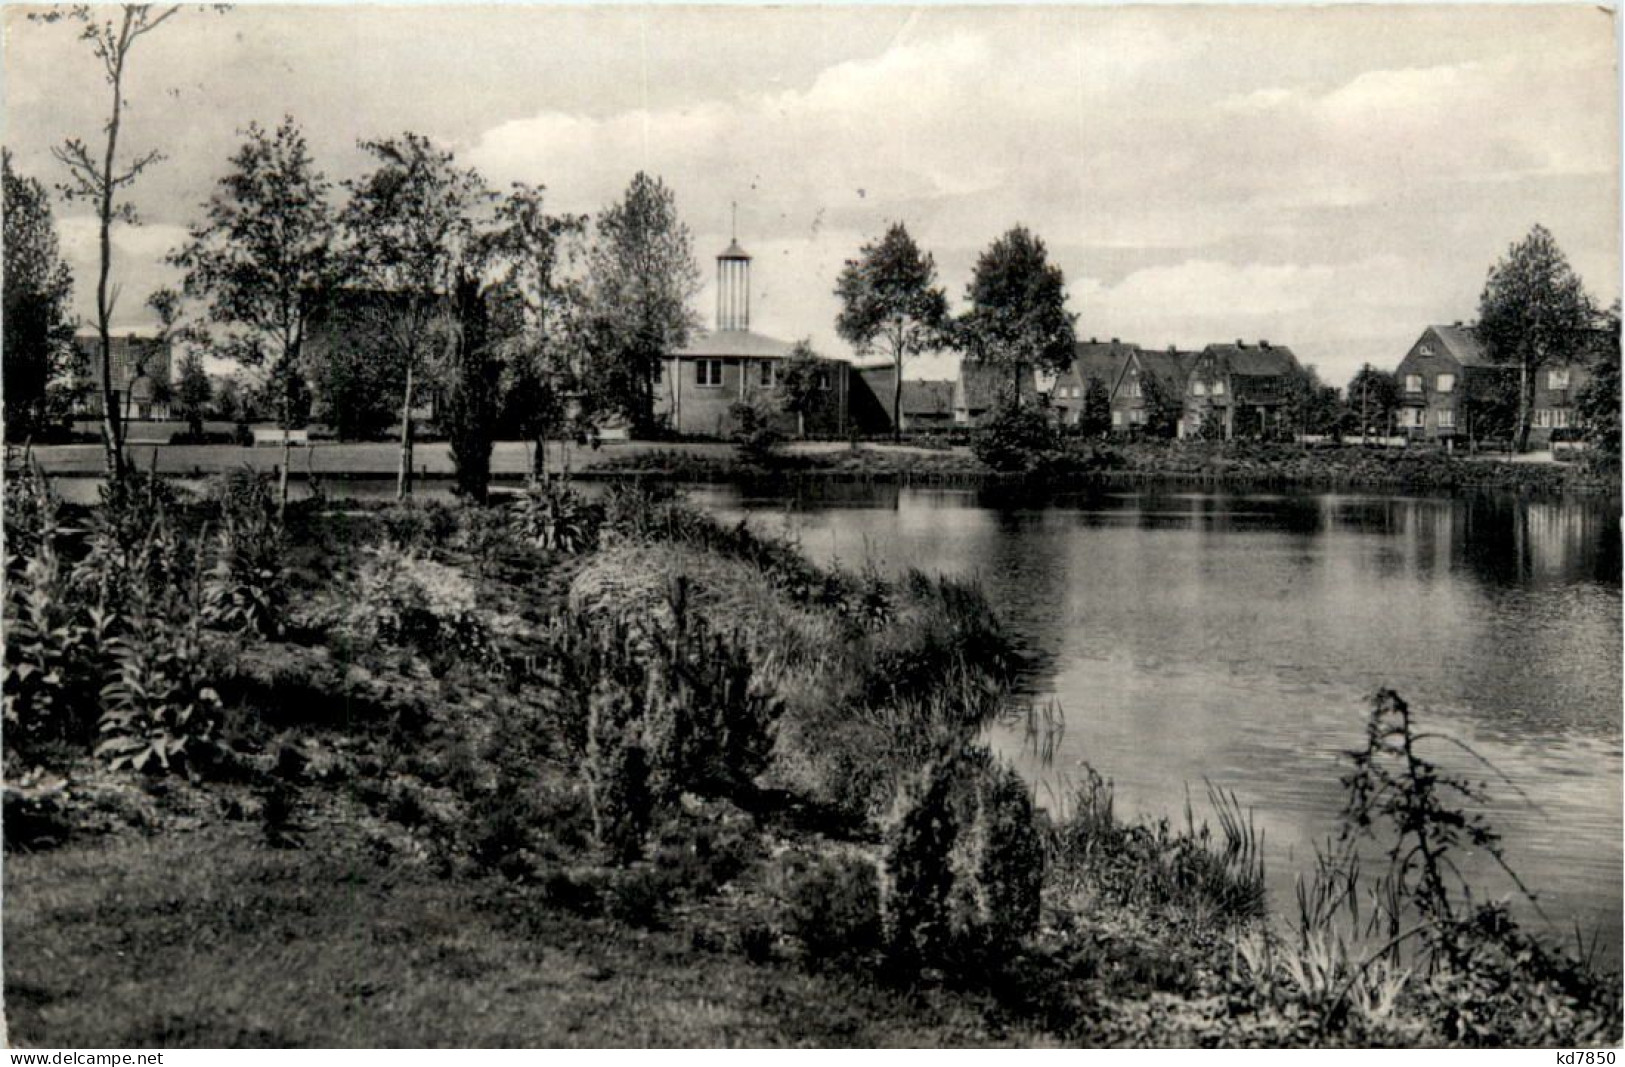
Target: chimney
x,y
1114,340
1240,343
1263,343
1458,323
1093,341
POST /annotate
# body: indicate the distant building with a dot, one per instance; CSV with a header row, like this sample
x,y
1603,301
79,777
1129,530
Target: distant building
x,y
926,405
1448,366
1092,360
1243,385
140,369
1133,394
981,387
698,385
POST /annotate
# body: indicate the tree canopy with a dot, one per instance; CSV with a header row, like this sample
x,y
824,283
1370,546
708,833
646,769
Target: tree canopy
x,y
38,329
642,280
1534,310
1017,317
890,302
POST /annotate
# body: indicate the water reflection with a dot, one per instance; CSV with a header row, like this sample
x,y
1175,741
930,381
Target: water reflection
x,y
1236,637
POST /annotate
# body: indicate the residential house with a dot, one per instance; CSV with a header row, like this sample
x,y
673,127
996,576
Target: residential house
x,y
1150,378
981,386
699,384
140,365
1092,360
1445,367
1243,386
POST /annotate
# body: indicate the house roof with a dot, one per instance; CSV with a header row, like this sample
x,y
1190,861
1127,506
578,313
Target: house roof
x,y
1257,361
722,344
1099,359
1461,343
922,398
1168,363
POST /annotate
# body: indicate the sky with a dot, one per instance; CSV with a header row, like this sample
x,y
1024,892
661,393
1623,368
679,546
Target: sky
x,y
1328,178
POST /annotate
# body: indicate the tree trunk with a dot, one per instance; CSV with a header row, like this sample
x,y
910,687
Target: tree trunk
x,y
113,439
1524,378
897,397
801,425
282,479
538,461
403,483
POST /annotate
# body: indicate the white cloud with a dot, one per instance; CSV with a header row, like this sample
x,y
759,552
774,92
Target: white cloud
x,y
138,264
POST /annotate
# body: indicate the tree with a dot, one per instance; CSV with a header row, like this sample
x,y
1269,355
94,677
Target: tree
x,y
262,260
38,287
193,393
1309,407
411,225
1163,405
101,180
1372,397
890,302
642,277
1017,318
1598,401
542,357
800,383
1534,311
1095,420
471,380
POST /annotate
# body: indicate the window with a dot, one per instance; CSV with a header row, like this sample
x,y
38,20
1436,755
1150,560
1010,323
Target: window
x,y
1445,383
1137,416
1447,418
1117,417
1410,417
1424,350
1413,383
708,372
1557,378
1134,387
1218,388
823,379
1199,387
768,374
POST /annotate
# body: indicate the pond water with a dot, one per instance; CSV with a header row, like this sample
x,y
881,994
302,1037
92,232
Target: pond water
x,y
1236,638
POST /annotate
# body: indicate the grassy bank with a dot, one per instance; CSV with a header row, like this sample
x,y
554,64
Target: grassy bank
x,y
607,771
1240,465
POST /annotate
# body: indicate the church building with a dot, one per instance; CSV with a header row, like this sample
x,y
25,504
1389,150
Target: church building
x,y
699,384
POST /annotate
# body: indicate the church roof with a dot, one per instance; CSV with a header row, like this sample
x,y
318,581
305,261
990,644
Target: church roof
x,y
721,344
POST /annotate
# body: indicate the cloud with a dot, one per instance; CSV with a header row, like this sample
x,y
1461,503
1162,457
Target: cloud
x,y
138,266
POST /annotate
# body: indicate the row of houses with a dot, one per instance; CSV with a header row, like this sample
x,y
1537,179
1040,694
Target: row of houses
x,y
1221,387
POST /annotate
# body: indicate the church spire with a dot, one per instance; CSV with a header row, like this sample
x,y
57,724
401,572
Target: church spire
x,y
733,282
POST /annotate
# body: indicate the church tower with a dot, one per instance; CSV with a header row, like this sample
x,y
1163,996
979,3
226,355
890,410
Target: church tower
x,y
733,284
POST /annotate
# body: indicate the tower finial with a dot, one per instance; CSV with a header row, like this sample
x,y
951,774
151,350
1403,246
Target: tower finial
x,y
733,228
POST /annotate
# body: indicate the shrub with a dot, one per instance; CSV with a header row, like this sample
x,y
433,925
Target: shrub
x,y
616,770
245,590
997,896
756,432
1015,438
832,908
404,599
554,517
159,709
919,839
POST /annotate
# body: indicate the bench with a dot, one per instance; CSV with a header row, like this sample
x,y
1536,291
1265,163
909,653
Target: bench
x,y
273,436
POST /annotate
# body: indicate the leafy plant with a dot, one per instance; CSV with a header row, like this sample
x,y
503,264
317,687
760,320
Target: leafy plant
x,y
832,907
160,711
1016,438
554,517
